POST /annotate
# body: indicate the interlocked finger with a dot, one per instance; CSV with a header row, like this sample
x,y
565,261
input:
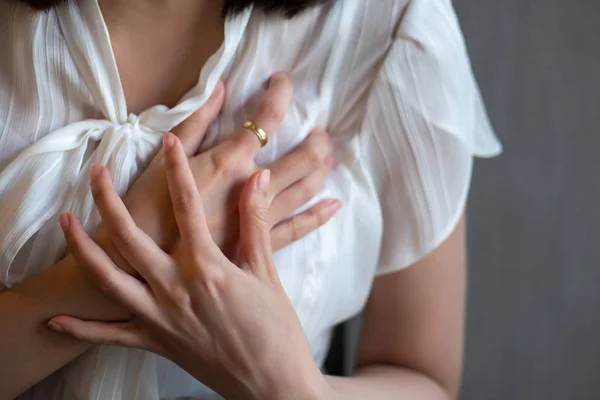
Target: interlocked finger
x,y
109,278
255,239
187,204
298,194
140,252
192,130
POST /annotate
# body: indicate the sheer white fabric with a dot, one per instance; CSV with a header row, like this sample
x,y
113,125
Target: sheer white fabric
x,y
390,80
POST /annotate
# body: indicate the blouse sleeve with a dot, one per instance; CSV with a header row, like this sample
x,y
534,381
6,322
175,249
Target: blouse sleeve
x,y
425,121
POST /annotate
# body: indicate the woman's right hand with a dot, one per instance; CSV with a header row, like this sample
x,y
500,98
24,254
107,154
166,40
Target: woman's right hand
x,y
296,178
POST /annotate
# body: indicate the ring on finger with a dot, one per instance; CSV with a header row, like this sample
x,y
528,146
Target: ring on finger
x,y
260,133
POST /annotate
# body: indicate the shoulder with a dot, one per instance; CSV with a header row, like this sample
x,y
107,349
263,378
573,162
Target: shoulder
x,y
22,28
351,39
14,13
28,40
42,88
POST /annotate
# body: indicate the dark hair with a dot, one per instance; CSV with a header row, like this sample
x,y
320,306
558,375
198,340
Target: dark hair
x,y
287,8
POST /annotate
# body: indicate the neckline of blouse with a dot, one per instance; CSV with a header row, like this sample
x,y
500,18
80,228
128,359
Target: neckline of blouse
x,y
86,34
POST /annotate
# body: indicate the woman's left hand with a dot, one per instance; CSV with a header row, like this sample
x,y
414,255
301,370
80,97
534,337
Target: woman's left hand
x,y
230,326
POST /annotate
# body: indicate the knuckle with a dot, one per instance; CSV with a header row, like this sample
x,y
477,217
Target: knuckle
x,y
320,138
198,120
281,82
184,202
212,279
307,189
256,210
293,229
176,295
124,234
272,111
75,247
225,164
110,341
280,78
215,279
259,214
195,123
172,162
316,150
314,158
320,219
107,285
322,135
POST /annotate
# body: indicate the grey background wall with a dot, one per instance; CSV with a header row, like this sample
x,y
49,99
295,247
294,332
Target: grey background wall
x,y
534,300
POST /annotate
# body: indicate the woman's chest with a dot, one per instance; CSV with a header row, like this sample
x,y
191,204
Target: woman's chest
x,y
315,270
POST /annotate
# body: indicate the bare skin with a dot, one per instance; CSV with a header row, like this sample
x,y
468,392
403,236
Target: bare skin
x,y
143,32
411,345
30,352
423,358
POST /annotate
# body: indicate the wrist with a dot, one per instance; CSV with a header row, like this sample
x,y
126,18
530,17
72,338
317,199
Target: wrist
x,y
83,299
103,240
64,290
318,389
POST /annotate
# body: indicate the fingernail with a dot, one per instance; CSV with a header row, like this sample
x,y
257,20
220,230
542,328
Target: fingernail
x,y
95,170
333,205
65,221
262,183
275,76
56,327
168,141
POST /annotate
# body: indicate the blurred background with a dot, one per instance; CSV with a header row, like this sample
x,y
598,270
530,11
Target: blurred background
x,y
534,221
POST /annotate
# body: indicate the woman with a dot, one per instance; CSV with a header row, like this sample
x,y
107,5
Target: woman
x,y
391,82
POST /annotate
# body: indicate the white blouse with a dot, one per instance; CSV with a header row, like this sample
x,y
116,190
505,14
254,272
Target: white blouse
x,y
390,79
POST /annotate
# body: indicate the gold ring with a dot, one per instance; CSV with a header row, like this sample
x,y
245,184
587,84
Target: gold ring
x,y
260,134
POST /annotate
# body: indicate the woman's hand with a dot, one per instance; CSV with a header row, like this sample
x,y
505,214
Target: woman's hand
x,y
230,326
296,178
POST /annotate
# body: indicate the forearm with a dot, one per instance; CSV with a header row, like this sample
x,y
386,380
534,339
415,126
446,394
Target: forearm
x,y
29,350
385,383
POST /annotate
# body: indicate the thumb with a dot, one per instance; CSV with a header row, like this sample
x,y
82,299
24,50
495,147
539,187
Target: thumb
x,y
255,236
191,131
